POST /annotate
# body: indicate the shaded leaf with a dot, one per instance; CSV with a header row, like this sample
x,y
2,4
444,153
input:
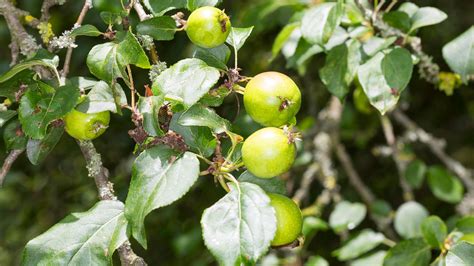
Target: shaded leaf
x,y
408,219
465,225
377,44
199,115
461,254
283,37
160,176
215,57
5,116
158,8
37,150
103,97
186,81
375,259
107,61
320,21
240,226
340,68
42,58
86,30
347,215
415,173
195,4
411,252
398,19
361,244
397,67
445,186
199,139
160,28
88,238
270,185
149,107
13,136
41,105
238,36
434,231
427,16
459,54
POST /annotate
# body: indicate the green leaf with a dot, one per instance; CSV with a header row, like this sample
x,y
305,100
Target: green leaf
x,y
361,244
459,54
408,219
215,97
41,105
316,261
340,68
5,116
381,72
445,186
86,30
411,252
149,107
465,225
283,37
239,227
160,176
434,231
10,87
42,58
415,173
158,8
83,83
426,16
103,97
398,19
38,150
375,259
186,81
397,67
409,8
461,254
215,57
319,22
111,18
107,61
238,36
199,139
160,28
88,238
199,115
195,4
313,224
347,215
13,137
376,44
270,185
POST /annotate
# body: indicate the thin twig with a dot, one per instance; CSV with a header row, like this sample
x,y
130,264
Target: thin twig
x,y
140,11
437,148
106,192
391,5
401,165
354,178
67,61
132,87
7,164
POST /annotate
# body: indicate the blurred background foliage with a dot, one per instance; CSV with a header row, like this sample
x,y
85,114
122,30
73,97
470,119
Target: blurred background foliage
x,y
36,197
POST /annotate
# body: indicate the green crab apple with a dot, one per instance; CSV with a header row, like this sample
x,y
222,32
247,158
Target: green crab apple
x,y
85,126
269,152
289,219
272,99
208,27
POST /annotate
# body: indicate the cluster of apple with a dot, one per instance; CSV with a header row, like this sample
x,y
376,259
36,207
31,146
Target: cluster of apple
x,y
272,99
